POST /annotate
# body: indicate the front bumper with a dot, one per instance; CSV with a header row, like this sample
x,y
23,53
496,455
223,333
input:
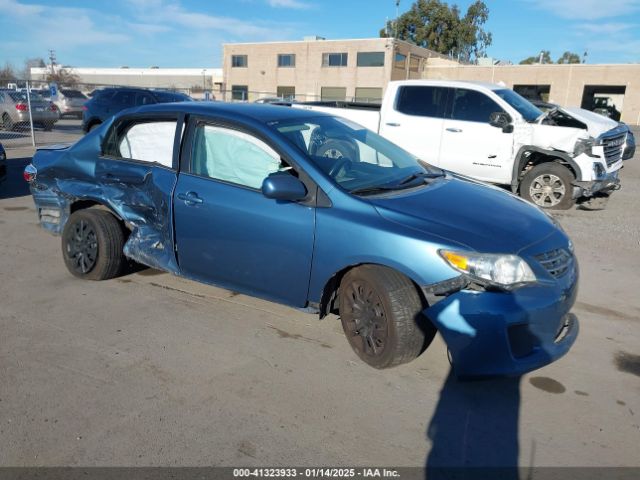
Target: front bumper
x,y
508,333
606,184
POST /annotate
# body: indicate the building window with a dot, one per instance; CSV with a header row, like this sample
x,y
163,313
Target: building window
x,y
414,64
286,60
400,61
370,59
369,94
239,92
238,61
333,93
286,93
334,59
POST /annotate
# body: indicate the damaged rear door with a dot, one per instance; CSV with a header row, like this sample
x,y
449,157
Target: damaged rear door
x,y
136,175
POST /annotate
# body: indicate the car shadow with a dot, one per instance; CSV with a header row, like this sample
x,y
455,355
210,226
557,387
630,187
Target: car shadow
x,y
14,185
474,430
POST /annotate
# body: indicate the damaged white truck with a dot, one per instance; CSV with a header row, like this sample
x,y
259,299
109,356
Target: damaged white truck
x,y
490,133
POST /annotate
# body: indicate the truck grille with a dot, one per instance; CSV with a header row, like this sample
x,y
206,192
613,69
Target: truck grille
x,y
557,262
613,148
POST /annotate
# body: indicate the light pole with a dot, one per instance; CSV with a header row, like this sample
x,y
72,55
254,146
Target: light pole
x,y
204,81
397,13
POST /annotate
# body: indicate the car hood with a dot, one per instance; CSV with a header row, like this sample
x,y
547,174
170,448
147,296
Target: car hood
x,y
596,124
482,217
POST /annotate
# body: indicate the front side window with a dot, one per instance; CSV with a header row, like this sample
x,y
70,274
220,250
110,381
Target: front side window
x,y
334,59
358,160
238,61
232,156
422,101
473,106
286,60
145,141
370,59
524,107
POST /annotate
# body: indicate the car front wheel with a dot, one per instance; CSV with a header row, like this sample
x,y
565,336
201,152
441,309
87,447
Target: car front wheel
x,y
548,185
381,314
92,242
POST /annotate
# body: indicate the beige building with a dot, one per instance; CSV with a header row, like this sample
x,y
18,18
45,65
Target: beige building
x,y
604,88
319,69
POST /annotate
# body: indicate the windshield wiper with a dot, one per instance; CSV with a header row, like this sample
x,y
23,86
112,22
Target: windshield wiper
x,y
372,189
424,175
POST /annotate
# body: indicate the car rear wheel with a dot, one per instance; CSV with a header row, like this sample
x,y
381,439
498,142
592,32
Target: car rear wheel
x,y
93,126
381,314
548,185
92,242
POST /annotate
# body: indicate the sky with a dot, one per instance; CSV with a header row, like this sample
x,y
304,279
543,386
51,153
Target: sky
x,y
190,33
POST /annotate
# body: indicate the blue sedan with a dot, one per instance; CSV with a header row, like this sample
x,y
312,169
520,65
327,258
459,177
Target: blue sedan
x,y
316,212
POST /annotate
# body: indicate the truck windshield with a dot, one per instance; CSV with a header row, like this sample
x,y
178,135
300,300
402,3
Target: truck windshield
x,y
358,160
524,107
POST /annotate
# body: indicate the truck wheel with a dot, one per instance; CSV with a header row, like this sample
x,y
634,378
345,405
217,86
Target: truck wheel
x,y
548,185
92,242
381,314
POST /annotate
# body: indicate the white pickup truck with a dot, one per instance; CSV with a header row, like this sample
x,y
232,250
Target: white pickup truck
x,y
491,133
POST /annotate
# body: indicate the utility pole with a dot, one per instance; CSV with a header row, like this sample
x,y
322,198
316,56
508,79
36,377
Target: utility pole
x,y
396,22
52,59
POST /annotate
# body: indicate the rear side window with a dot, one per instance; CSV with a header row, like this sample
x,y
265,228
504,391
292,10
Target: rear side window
x,y
124,99
422,101
145,141
169,97
473,106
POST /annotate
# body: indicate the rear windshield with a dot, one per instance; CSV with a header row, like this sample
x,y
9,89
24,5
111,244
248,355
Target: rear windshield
x,y
73,94
22,96
170,97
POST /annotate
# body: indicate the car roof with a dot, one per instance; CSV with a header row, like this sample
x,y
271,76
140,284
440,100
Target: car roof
x,y
453,83
255,111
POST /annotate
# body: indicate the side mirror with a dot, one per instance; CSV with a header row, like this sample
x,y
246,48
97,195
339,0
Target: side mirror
x,y
501,120
283,186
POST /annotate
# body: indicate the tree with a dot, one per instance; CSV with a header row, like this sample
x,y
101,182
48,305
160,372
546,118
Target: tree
x,y
63,77
30,63
433,24
546,58
569,57
7,75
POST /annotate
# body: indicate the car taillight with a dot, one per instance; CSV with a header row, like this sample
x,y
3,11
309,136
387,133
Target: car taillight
x,y
53,107
21,107
29,173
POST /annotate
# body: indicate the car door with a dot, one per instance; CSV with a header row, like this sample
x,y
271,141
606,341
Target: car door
x,y
227,232
416,119
470,145
135,175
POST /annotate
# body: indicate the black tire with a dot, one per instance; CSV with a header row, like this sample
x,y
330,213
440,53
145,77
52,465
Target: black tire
x,y
381,314
92,242
7,123
548,185
93,126
48,126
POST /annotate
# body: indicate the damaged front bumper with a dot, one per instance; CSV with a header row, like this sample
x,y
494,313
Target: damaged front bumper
x,y
507,333
604,185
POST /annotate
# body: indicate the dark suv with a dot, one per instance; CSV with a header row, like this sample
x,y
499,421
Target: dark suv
x,y
107,102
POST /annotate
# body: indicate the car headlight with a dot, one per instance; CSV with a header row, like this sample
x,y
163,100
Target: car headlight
x,y
583,145
505,271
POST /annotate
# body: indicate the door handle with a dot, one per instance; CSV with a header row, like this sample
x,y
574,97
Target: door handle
x,y
190,198
454,130
392,124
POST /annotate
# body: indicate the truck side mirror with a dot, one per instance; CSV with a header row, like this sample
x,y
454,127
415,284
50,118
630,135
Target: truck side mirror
x,y
501,120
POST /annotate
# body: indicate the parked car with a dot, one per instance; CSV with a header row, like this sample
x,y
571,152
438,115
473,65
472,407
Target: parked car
x,y
3,164
395,246
69,102
109,101
491,133
14,110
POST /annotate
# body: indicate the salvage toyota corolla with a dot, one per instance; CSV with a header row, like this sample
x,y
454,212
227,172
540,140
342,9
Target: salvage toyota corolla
x,y
316,212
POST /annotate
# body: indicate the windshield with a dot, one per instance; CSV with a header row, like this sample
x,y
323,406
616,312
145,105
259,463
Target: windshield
x,y
358,160
524,107
73,94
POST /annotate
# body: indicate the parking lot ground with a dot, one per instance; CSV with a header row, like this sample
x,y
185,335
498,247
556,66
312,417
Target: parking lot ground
x,y
154,370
